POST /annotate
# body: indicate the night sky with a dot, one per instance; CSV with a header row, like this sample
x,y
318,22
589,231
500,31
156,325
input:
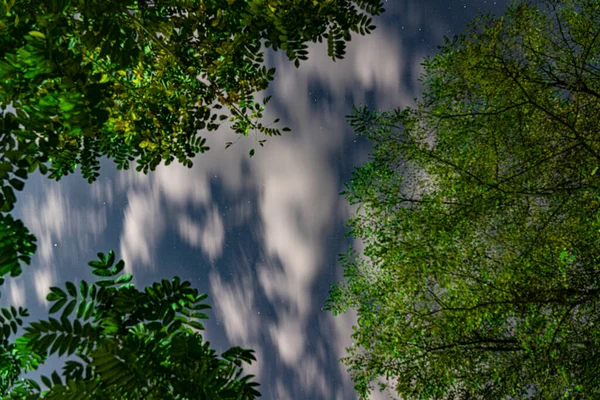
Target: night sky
x,y
260,235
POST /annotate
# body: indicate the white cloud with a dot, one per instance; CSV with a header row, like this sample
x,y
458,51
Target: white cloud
x,y
208,236
47,221
213,235
60,228
189,231
142,226
17,292
235,305
289,337
180,184
43,279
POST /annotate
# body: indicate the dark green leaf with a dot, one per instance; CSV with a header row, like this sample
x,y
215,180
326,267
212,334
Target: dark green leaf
x,y
71,289
56,378
58,291
46,381
111,258
196,325
57,306
168,318
83,288
69,308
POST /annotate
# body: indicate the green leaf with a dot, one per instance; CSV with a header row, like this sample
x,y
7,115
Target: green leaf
x,y
97,264
103,272
69,308
83,288
52,296
251,153
105,282
37,34
66,323
17,184
56,379
111,258
196,325
46,381
201,297
80,309
71,288
57,306
124,278
120,266
61,293
65,105
199,315
87,313
21,173
102,257
168,318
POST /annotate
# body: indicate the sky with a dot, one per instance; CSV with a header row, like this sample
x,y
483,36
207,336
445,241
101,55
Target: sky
x,y
261,236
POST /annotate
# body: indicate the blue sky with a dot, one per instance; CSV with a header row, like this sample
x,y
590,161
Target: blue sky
x,y
260,235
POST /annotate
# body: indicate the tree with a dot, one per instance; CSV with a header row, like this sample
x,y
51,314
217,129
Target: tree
x,y
105,85
134,345
480,215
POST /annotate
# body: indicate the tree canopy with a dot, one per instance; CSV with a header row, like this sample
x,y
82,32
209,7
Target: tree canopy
x,y
136,80
132,344
480,214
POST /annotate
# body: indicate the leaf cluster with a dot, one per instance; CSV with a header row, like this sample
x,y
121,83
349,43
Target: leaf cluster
x,y
479,211
130,344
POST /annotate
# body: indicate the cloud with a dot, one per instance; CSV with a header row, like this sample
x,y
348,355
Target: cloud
x,y
341,327
189,231
17,292
235,306
311,376
213,235
61,228
103,192
209,236
142,226
289,337
180,184
46,218
281,391
43,279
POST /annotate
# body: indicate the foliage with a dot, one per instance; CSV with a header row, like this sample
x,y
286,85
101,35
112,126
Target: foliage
x,y
91,79
480,212
132,344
